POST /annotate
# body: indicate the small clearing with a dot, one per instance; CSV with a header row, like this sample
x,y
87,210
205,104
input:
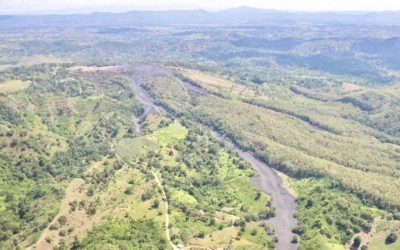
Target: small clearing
x,y
13,86
350,87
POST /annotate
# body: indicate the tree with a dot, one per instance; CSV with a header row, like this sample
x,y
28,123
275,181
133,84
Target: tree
x,y
90,191
77,244
357,242
201,235
23,208
156,204
258,195
392,238
146,196
9,197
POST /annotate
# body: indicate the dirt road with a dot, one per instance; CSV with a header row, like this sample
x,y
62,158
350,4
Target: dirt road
x,y
165,201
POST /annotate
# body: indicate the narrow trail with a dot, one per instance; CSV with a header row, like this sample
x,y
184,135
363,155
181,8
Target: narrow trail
x,y
71,194
165,211
268,179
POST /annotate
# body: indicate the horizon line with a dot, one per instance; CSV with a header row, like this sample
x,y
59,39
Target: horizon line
x,y
211,10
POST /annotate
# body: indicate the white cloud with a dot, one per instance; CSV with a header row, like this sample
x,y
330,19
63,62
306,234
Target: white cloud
x,y
122,5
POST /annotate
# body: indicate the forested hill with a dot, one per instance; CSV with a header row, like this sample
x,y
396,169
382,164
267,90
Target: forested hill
x,y
238,16
237,129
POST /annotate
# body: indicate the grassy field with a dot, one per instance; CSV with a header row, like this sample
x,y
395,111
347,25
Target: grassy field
x,y
13,86
218,84
171,134
383,229
130,149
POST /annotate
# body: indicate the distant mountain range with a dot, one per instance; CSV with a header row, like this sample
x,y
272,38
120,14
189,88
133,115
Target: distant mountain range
x,y
236,16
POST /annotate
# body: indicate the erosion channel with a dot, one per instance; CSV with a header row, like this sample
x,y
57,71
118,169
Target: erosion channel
x,y
268,179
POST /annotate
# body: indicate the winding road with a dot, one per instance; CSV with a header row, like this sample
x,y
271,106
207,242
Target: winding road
x,y
268,179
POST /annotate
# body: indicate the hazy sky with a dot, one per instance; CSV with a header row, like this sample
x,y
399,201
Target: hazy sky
x,y
43,6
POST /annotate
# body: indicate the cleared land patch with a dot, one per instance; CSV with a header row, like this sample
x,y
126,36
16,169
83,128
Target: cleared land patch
x,y
38,59
218,84
384,228
13,86
87,69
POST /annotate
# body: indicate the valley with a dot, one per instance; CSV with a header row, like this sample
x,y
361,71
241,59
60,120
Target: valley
x,y
234,129
267,180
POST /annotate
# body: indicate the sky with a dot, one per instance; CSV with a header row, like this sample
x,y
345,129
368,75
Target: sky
x,y
83,6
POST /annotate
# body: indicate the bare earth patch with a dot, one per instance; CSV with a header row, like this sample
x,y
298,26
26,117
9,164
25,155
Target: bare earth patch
x,y
87,69
4,67
350,87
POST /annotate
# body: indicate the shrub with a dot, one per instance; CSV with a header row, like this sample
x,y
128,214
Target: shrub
x,y
54,227
48,239
91,211
62,233
62,220
129,190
